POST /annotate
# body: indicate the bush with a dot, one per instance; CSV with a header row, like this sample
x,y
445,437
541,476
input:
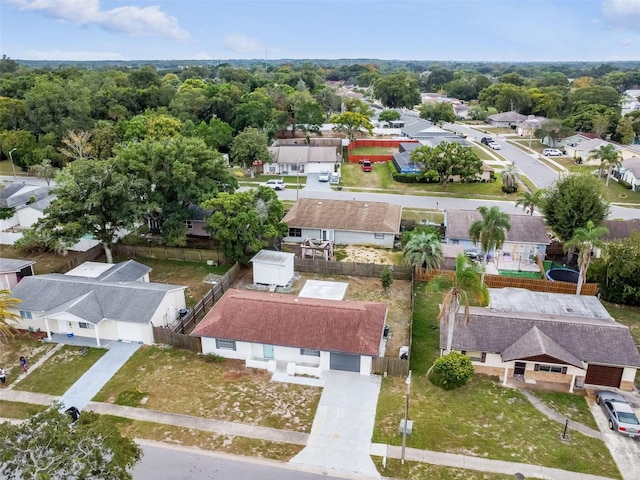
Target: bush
x,y
625,184
451,371
509,188
386,277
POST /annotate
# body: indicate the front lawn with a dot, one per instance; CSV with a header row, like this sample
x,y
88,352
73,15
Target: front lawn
x,y
573,407
60,371
182,382
482,419
428,471
19,410
21,346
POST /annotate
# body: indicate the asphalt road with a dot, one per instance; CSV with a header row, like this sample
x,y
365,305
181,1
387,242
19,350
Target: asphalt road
x,y
539,173
178,463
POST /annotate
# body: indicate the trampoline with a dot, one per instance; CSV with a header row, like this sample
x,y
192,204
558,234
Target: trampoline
x,y
563,275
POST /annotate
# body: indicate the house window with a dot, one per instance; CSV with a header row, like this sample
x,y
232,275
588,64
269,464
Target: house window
x,y
272,168
378,236
85,325
310,352
550,368
480,357
189,224
222,344
26,315
295,232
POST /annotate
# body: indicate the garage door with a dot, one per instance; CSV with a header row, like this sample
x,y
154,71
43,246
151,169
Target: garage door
x,y
601,375
342,361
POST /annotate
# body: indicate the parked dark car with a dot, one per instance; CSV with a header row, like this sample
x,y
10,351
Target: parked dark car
x,y
486,140
619,413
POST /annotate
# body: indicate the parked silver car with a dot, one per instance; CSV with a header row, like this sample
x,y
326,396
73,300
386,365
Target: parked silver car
x,y
619,413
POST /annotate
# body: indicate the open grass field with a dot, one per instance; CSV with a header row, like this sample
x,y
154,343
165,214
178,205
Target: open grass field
x,y
177,381
60,371
483,418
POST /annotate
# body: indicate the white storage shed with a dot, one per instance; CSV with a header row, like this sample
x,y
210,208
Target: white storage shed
x,y
273,268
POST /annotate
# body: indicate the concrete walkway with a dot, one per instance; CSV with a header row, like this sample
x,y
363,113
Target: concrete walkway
x,y
553,415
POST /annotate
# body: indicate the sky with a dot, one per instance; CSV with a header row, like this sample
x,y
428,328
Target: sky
x,y
460,30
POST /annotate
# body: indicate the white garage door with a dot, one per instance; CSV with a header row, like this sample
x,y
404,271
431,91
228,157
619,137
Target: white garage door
x,y
131,331
319,167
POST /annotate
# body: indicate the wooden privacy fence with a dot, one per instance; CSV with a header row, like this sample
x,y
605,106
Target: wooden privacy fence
x,y
197,313
396,367
312,265
168,253
177,340
533,284
89,255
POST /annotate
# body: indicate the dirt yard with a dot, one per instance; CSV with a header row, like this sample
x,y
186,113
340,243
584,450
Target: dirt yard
x,y
368,255
367,289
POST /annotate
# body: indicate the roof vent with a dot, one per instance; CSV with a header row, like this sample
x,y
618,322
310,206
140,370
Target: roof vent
x,y
568,310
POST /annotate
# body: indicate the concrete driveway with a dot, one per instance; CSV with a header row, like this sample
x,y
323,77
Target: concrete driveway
x,y
314,184
624,450
340,439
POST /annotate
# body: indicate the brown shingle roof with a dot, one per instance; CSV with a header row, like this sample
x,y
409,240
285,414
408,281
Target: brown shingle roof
x,y
591,340
287,320
346,215
621,229
524,228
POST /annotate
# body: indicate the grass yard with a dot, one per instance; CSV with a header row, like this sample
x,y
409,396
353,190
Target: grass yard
x,y
177,272
188,437
627,315
13,348
482,419
19,410
60,371
178,381
428,471
374,151
573,407
519,274
418,214
45,262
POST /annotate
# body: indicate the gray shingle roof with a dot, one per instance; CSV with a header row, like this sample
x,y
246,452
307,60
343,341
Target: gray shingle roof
x,y
129,271
345,215
524,228
13,264
507,117
621,229
271,257
588,339
292,154
536,342
18,194
90,298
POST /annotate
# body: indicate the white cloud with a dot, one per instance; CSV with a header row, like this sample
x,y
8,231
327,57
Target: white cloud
x,y
132,20
622,13
71,55
200,56
240,43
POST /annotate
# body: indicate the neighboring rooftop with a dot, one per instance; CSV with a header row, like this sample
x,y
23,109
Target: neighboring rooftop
x,y
272,258
621,229
129,271
524,228
13,264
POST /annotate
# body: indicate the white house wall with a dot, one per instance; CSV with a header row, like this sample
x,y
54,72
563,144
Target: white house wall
x,y
9,222
28,216
167,311
8,280
629,374
363,238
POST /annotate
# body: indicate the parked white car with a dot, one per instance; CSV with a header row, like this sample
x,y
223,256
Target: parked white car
x,y
275,184
552,152
495,146
323,177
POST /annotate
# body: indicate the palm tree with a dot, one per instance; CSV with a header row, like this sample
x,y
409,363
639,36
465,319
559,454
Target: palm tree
x,y
423,250
510,177
614,162
6,316
584,239
529,201
466,281
490,232
44,170
607,154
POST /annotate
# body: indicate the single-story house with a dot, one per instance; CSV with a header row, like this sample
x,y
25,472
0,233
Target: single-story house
x,y
301,159
582,149
273,268
344,222
12,270
629,171
571,140
527,127
505,119
17,195
107,302
547,337
32,212
308,335
527,238
197,223
424,131
620,229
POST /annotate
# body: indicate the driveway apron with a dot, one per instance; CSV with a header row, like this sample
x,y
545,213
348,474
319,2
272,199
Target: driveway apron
x,y
624,450
89,384
340,438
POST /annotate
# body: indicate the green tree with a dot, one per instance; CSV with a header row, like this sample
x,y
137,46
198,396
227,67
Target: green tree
x,y
553,131
510,178
356,105
617,271
451,371
624,131
529,201
571,202
585,239
249,146
8,318
437,78
329,100
48,446
437,112
386,277
94,197
467,280
609,158
423,250
242,223
44,170
398,90
448,159
490,232
13,114
389,115
76,145
217,134
595,94
588,117
506,97
351,123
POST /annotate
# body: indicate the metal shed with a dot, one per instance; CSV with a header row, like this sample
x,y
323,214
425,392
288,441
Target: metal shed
x,y
272,268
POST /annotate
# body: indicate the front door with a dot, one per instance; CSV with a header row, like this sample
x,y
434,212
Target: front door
x,y
519,368
267,351
326,235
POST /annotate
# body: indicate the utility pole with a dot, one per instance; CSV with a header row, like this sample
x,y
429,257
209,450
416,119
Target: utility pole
x,y
406,415
13,167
